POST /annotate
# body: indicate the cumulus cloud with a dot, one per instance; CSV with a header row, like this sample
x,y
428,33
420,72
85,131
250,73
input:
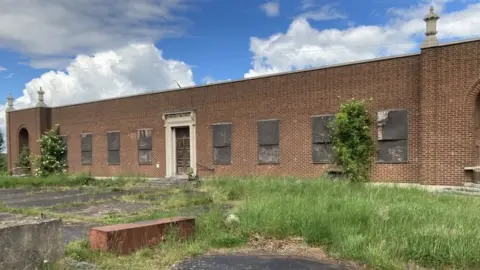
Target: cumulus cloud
x,y
272,9
324,13
9,76
2,69
51,31
210,80
133,69
303,46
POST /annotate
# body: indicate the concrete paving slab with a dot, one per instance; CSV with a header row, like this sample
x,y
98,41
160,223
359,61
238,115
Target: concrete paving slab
x,y
103,209
9,191
49,202
38,196
241,262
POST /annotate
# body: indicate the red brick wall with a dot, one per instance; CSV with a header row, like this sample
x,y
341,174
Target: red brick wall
x,y
450,79
292,98
440,137
35,121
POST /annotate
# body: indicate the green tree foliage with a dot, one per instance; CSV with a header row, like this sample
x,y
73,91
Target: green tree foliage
x,y
52,150
353,145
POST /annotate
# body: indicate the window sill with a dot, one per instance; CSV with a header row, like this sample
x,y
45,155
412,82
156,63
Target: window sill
x,y
268,163
392,162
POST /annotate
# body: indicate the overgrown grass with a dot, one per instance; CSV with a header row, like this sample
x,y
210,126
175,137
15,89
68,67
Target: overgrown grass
x,y
383,227
210,232
65,181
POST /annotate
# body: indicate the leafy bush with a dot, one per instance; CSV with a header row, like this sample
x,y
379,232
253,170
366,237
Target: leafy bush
x,y
353,144
24,160
52,151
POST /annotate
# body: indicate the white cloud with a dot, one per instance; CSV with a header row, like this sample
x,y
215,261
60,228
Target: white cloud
x,y
130,70
61,29
2,122
326,12
303,46
2,69
210,80
272,9
307,4
9,76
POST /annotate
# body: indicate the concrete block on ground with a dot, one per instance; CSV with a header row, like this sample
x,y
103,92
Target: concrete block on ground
x,y
28,242
126,238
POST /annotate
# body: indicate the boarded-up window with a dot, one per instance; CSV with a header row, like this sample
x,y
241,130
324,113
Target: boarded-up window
x,y
113,143
86,149
269,141
145,146
222,144
322,150
65,143
392,136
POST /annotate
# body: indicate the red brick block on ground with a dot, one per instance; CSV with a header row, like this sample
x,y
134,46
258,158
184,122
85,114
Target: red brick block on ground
x,y
126,238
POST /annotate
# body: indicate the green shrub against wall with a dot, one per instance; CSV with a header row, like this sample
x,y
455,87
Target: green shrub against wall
x,y
353,145
51,159
24,160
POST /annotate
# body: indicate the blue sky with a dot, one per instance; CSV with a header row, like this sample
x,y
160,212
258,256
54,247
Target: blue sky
x,y
84,50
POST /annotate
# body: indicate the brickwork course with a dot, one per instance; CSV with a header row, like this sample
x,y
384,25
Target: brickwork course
x,y
436,88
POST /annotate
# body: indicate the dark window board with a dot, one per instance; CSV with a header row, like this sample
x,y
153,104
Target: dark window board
x,y
269,154
113,141
145,139
145,157
320,130
392,151
268,132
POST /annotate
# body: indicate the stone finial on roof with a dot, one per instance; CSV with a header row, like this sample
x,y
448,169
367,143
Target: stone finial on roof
x,y
41,102
431,34
9,103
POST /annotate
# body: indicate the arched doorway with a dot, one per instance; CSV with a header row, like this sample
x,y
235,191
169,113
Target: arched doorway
x,y
23,140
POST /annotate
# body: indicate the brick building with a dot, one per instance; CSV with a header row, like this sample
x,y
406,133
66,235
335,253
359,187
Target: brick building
x,y
426,106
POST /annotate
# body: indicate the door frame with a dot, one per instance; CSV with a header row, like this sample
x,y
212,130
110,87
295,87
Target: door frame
x,y
172,121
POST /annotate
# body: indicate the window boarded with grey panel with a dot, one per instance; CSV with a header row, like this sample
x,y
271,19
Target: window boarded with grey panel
x,y
65,143
322,147
113,143
145,146
392,136
222,144
86,148
269,142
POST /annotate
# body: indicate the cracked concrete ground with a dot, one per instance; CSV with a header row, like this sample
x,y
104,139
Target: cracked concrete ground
x,y
95,204
88,202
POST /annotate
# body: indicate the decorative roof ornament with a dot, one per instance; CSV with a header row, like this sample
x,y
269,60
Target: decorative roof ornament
x,y
41,102
10,103
431,32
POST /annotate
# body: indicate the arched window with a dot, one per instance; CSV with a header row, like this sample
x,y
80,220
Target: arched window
x,y
477,128
23,140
